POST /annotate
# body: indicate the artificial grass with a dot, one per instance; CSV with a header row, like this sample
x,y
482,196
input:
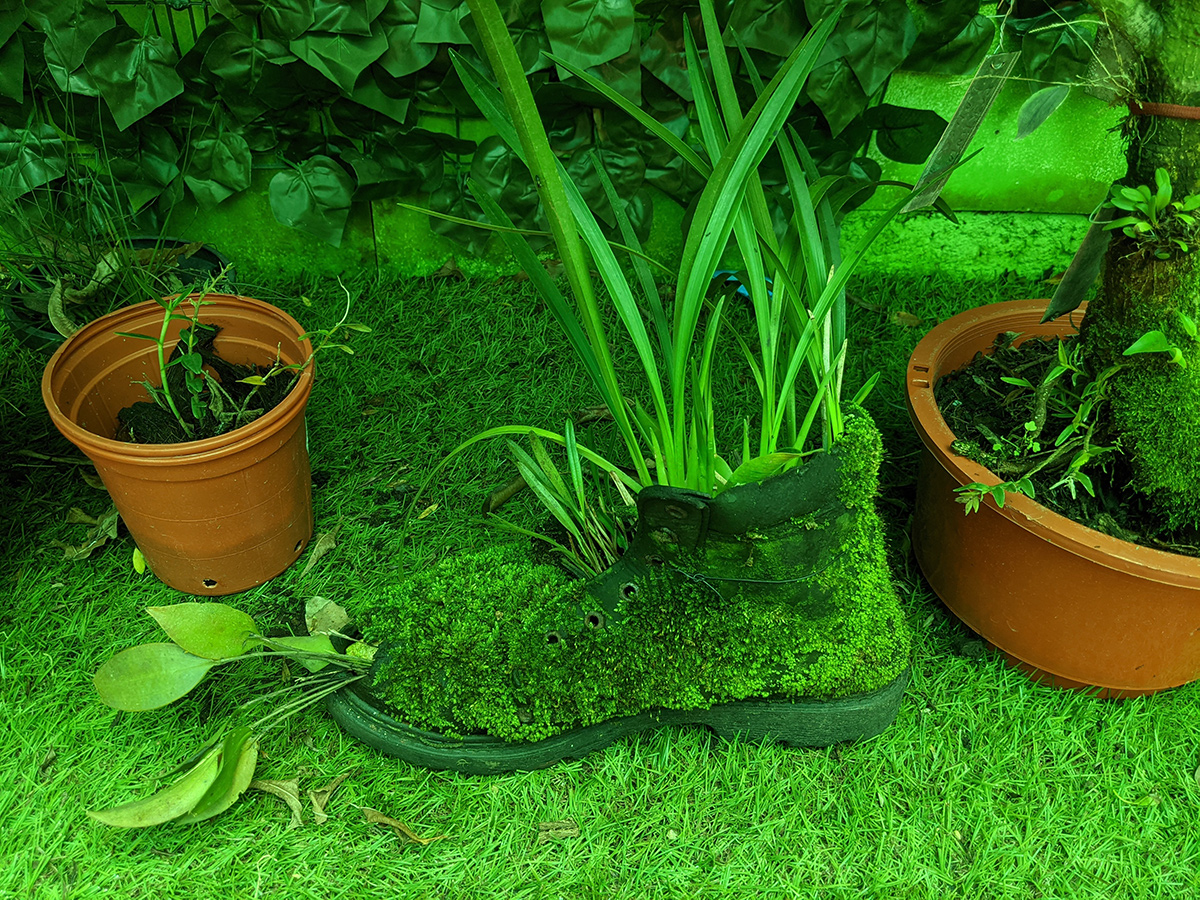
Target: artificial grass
x,y
987,786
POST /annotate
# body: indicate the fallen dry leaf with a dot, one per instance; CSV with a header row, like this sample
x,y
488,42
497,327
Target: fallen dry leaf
x,y
288,792
905,319
323,616
319,798
325,542
76,516
375,817
428,511
557,831
91,479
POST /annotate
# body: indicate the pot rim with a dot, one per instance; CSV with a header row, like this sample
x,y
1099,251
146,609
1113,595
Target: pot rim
x,y
189,451
927,364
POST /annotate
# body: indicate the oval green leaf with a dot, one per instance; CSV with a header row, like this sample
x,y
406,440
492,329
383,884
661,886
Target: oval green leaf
x,y
761,467
307,643
239,756
211,630
170,803
149,676
1038,108
1150,342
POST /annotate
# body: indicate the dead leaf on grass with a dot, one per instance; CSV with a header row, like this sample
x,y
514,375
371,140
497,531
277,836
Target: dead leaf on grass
x,y
100,532
321,797
375,817
428,511
561,830
905,319
325,542
91,479
76,516
323,616
288,792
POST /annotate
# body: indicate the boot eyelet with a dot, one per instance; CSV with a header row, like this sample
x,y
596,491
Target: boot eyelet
x,y
595,621
629,590
553,639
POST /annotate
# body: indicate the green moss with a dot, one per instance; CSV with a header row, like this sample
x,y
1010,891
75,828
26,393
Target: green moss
x,y
472,643
1155,407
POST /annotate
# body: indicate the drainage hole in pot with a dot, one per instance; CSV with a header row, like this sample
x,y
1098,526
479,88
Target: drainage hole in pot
x,y
209,583
629,591
595,620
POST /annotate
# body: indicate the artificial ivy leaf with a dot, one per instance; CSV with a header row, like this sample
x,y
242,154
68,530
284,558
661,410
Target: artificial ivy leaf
x,y
314,197
377,91
903,134
210,630
837,94
440,22
773,26
286,20
149,676
663,55
379,175
962,54
237,62
146,169
219,167
11,18
12,69
346,16
239,757
71,27
588,33
341,57
29,158
1054,48
500,171
878,37
1039,107
169,803
134,74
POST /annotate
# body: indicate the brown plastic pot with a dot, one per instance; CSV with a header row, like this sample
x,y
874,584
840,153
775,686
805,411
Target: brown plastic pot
x,y
1069,605
211,517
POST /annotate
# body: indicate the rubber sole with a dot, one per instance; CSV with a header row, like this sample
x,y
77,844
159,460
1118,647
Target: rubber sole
x,y
803,723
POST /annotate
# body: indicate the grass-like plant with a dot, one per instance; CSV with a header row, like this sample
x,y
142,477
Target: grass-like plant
x,y
796,281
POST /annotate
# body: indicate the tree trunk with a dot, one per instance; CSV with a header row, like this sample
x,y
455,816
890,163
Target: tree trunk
x,y
1154,411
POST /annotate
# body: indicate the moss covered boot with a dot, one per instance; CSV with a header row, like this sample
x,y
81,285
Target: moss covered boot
x,y
765,612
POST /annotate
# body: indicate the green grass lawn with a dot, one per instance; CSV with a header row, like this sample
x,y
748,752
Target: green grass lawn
x,y
987,786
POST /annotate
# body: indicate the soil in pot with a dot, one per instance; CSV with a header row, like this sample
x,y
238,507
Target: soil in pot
x,y
1007,423
232,395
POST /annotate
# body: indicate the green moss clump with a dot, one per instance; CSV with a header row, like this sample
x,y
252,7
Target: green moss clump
x,y
1154,409
474,643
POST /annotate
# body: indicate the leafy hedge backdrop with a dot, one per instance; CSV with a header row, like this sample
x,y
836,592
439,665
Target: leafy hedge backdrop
x,y
337,95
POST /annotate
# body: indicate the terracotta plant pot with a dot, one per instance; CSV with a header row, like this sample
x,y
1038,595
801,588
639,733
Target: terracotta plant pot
x,y
214,516
1071,606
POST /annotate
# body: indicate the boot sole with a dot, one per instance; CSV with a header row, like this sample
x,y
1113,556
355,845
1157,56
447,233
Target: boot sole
x,y
801,723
